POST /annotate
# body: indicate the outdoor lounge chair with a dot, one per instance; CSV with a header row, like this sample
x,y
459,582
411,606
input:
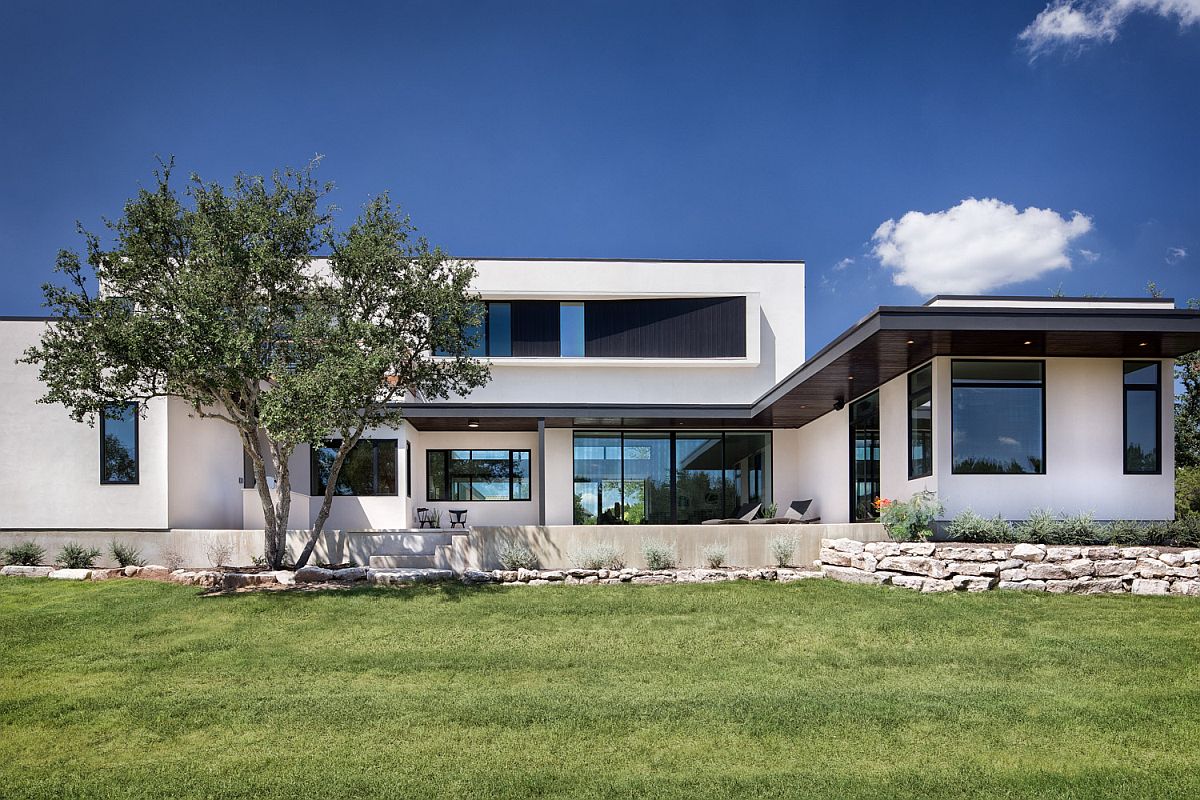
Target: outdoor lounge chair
x,y
741,517
794,515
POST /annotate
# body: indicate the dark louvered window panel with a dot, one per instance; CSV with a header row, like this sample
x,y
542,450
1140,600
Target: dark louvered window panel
x,y
693,327
534,328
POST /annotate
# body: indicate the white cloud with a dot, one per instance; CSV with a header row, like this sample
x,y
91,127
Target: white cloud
x,y
976,246
841,265
1081,22
1090,256
1175,255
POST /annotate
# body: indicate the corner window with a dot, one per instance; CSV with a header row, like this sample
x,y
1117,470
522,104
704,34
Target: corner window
x,y
998,417
119,444
920,422
369,468
1143,417
570,326
477,475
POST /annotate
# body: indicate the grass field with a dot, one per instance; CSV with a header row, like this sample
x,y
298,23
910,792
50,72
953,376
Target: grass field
x,y
140,689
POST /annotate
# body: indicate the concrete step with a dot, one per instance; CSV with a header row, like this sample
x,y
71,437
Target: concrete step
x,y
411,544
421,561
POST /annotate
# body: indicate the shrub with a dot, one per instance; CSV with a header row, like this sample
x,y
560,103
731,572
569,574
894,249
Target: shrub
x,y
970,527
601,555
783,549
769,511
715,554
514,555
1187,492
76,556
173,560
1080,529
660,554
1042,525
219,552
126,555
912,519
26,554
1124,533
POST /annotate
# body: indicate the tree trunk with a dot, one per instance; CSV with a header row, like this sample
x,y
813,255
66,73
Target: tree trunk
x,y
335,469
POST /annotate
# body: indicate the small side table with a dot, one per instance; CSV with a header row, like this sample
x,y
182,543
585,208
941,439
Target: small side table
x,y
458,516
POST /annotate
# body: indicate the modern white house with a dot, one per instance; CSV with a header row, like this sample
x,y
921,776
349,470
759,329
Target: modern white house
x,y
630,392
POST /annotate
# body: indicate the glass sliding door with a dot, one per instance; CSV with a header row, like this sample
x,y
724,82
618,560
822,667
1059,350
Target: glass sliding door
x,y
699,476
864,458
647,478
597,478
747,470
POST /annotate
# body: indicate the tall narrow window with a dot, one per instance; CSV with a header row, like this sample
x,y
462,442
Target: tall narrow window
x,y
570,326
920,422
998,417
499,329
864,457
1143,417
119,444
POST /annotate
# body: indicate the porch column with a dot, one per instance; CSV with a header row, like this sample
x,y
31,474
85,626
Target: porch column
x,y
541,470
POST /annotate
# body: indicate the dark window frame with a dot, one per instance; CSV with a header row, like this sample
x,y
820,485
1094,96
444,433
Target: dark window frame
x,y
852,430
913,475
998,385
768,466
334,444
137,446
445,476
1156,388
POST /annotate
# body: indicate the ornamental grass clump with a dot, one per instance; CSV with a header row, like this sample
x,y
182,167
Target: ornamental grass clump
x,y
910,520
25,554
660,554
599,555
76,556
714,554
126,555
970,527
783,549
1042,526
515,555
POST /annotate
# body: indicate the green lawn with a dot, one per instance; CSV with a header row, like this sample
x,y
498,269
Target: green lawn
x,y
816,689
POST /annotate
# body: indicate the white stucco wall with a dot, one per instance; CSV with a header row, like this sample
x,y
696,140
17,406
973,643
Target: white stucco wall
x,y
823,466
775,332
54,477
204,468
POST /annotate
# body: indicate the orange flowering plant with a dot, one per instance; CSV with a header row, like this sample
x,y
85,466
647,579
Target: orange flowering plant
x,y
912,519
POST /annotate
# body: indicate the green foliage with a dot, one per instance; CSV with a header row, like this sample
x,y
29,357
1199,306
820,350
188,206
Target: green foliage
x,y
660,554
26,554
769,511
912,519
212,295
126,555
715,554
783,549
76,556
1187,492
1187,409
582,516
599,555
970,527
1042,525
515,555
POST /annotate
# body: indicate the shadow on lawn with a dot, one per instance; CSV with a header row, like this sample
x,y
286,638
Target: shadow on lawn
x,y
447,592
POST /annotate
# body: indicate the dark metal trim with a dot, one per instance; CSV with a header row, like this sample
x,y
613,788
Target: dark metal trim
x,y
1042,364
1064,299
932,394
1156,388
137,447
471,457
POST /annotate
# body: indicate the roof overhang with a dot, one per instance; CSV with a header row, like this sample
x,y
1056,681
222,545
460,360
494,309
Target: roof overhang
x,y
883,345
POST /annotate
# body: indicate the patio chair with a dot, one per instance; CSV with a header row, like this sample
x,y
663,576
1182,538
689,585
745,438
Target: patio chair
x,y
741,517
794,515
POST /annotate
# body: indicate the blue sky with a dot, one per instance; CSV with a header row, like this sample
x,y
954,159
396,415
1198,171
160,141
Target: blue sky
x,y
647,129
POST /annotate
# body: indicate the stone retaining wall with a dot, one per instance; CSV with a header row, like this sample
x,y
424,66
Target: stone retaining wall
x,y
944,567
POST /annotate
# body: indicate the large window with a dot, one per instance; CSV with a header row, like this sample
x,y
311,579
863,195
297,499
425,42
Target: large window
x,y
660,477
119,444
477,475
920,422
998,417
1143,417
369,468
493,335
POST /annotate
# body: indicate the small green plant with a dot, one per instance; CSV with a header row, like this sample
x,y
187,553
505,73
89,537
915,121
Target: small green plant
x,y
600,555
126,555
660,554
26,554
769,511
912,519
515,555
1123,533
970,527
76,556
1080,529
714,554
783,549
1042,526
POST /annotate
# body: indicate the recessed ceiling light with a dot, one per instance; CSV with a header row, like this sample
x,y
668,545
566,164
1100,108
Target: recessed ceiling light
x,y
1029,342
1142,344
472,423
910,341
849,377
